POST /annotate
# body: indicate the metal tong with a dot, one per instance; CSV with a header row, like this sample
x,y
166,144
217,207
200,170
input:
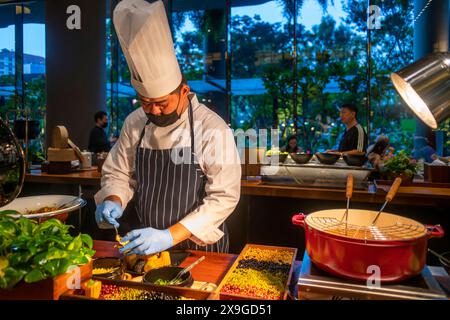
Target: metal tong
x,y
64,205
348,195
185,270
390,195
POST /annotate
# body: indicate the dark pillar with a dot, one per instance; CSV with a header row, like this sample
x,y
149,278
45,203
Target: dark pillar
x,y
215,66
76,74
431,34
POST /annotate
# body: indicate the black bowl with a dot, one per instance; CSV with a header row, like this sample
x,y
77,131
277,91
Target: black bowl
x,y
301,158
327,158
107,263
167,274
355,160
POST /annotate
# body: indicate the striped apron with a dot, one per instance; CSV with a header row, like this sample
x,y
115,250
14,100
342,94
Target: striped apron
x,y
167,191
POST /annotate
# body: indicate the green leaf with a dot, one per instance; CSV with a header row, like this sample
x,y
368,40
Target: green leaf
x,y
9,212
76,244
53,267
19,258
11,277
35,275
86,239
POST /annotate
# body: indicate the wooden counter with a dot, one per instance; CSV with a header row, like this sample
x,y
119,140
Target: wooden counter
x,y
212,269
420,196
83,177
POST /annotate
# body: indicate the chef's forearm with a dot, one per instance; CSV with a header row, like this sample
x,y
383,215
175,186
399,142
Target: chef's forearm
x,y
179,233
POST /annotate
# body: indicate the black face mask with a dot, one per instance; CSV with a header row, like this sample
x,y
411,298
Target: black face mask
x,y
164,120
104,125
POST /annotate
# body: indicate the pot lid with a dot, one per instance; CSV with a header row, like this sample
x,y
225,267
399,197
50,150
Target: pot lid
x,y
389,227
12,165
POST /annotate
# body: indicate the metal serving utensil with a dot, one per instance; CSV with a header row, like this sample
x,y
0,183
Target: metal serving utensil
x,y
390,195
185,270
348,195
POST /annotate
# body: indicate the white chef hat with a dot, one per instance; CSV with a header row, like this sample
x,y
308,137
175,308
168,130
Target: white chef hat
x,y
146,41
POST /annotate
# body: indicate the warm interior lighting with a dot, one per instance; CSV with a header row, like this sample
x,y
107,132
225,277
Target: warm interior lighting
x,y
413,100
425,87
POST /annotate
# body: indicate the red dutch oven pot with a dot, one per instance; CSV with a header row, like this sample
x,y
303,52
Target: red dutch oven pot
x,y
397,257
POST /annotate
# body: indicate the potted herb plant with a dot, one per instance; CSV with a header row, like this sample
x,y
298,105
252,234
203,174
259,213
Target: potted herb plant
x,y
400,166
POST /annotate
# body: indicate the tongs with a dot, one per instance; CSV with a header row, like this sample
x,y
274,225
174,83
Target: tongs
x,y
390,195
348,195
66,205
185,270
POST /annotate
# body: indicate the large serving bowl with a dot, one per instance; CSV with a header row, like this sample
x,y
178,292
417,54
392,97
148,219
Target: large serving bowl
x,y
301,158
354,160
327,158
33,207
395,248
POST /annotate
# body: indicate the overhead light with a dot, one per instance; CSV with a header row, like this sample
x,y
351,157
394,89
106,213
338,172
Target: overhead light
x,y
425,87
26,10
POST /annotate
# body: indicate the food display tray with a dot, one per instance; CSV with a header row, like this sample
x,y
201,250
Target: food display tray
x,y
228,296
184,292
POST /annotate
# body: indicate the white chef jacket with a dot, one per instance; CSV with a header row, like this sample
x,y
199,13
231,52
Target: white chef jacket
x,y
216,154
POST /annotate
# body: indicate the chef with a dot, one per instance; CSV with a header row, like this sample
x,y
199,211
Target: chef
x,y
176,157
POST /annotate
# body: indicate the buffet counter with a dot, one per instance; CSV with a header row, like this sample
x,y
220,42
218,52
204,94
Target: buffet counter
x,y
426,196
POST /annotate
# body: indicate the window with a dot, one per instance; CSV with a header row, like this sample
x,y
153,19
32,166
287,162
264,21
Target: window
x,y
121,96
7,56
239,57
22,77
261,65
200,36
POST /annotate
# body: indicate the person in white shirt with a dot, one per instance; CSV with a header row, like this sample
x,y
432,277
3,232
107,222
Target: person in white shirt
x,y
176,157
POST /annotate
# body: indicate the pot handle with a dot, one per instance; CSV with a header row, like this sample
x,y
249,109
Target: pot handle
x,y
434,231
299,219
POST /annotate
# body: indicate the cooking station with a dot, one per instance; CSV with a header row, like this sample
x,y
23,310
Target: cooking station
x,y
314,283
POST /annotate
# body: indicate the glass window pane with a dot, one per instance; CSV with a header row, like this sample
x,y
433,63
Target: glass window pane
x,y
261,65
7,58
199,31
331,66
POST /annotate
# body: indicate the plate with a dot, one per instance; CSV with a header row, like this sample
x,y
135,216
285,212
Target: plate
x,y
25,204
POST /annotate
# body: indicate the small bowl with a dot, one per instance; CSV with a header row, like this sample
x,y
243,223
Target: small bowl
x,y
167,274
107,263
301,158
354,160
327,158
444,264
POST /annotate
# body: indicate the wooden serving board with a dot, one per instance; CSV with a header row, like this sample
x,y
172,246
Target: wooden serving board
x,y
48,289
227,296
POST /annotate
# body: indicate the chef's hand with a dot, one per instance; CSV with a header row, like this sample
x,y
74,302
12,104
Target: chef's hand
x,y
147,241
107,213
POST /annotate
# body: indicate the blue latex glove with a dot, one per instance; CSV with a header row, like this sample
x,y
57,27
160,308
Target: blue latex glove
x,y
147,241
107,213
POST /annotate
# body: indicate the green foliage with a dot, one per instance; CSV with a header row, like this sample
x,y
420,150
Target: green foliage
x,y
32,252
400,164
